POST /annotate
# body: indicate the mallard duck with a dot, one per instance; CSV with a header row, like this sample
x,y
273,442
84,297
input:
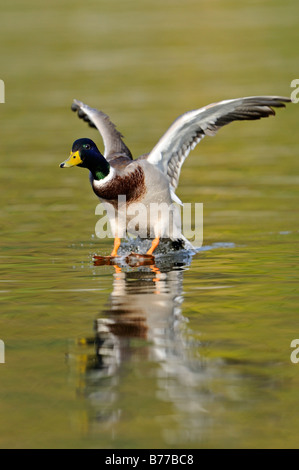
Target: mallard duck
x,y
153,177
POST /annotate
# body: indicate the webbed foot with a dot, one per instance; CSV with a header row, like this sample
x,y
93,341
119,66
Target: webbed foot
x,y
104,260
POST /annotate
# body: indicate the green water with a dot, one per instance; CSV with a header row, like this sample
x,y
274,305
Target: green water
x,y
197,354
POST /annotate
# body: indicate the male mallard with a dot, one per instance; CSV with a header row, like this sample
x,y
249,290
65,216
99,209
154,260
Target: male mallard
x,y
153,177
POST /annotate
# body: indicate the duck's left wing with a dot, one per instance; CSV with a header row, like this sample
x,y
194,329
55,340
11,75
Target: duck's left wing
x,y
187,130
112,138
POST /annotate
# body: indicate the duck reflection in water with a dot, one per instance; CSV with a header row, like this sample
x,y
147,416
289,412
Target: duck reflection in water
x,y
143,350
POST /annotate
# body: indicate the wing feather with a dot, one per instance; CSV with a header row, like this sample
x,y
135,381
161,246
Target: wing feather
x,y
189,129
112,138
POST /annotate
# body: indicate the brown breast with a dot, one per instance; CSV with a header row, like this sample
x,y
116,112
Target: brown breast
x,y
130,184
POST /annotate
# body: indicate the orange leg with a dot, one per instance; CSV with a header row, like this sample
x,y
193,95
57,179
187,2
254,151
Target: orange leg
x,y
155,243
116,246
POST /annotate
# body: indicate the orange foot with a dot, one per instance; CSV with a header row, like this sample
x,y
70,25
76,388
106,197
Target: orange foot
x,y
136,259
103,260
146,258
107,260
141,256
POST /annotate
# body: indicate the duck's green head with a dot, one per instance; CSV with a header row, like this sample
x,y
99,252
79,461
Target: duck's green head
x,y
86,155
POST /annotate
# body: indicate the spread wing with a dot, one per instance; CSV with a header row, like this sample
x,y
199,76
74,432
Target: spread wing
x,y
112,138
187,130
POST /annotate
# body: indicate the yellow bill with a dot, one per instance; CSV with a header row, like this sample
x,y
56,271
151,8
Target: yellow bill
x,y
73,160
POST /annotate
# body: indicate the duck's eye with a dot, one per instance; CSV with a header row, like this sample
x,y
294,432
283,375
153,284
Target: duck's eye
x,y
86,146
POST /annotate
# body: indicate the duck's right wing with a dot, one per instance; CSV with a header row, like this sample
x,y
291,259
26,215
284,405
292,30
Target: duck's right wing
x,y
112,138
